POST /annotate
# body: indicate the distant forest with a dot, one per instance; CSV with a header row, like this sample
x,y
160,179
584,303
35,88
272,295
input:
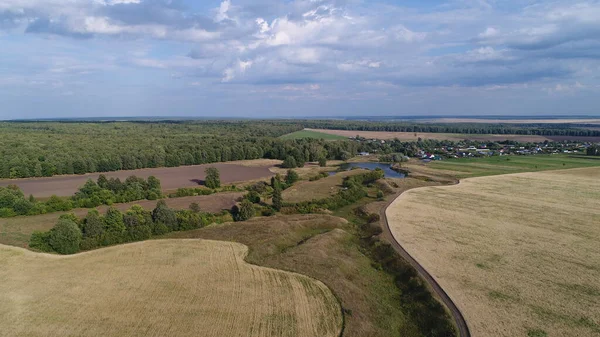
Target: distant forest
x,y
44,149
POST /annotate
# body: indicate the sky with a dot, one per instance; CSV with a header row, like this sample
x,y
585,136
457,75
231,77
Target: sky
x,y
293,58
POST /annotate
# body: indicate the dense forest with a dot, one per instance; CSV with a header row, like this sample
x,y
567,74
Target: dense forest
x,y
44,149
47,149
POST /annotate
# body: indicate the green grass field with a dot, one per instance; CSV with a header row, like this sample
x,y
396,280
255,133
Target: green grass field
x,y
474,167
311,134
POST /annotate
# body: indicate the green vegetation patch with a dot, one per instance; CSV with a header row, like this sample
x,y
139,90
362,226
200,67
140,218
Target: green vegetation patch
x,y
311,134
474,167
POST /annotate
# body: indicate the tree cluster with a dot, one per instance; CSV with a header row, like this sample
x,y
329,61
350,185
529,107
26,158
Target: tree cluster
x,y
71,234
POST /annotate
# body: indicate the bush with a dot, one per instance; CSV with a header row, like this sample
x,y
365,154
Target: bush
x,y
243,212
253,197
65,237
289,162
40,241
291,177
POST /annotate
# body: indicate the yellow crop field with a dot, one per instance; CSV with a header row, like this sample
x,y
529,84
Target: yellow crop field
x,y
159,288
519,254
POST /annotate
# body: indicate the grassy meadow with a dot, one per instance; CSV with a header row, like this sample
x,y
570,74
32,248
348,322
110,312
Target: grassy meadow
x,y
517,253
160,288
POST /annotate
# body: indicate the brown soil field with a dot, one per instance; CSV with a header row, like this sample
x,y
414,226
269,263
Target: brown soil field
x,y
408,136
517,253
318,189
170,177
319,246
160,288
17,231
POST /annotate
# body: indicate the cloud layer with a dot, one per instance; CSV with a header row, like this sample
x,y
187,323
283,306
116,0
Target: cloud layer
x,y
242,57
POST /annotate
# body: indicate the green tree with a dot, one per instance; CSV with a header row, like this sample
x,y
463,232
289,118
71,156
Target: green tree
x,y
291,177
213,179
65,237
92,226
277,198
244,211
322,161
289,162
102,181
162,214
253,197
113,221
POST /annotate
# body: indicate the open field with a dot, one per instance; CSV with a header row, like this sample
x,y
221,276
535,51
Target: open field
x,y
17,231
160,288
170,177
517,253
319,189
412,136
322,247
472,167
311,134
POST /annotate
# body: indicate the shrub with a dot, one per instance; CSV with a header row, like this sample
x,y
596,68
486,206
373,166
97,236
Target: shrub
x,y
212,179
291,177
244,211
253,197
65,237
40,241
289,162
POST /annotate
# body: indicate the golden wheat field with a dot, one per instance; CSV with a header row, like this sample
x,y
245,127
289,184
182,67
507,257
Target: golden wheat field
x,y
518,253
159,288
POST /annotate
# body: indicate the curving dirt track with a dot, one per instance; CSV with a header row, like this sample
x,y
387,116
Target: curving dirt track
x,y
170,177
459,320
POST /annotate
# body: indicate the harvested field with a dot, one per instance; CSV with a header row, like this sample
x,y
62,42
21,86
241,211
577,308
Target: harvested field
x,y
408,136
517,253
319,189
170,177
160,288
17,231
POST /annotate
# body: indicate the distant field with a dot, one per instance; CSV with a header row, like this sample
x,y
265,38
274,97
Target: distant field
x,y
472,167
311,134
319,189
519,121
412,136
160,288
170,177
17,231
519,253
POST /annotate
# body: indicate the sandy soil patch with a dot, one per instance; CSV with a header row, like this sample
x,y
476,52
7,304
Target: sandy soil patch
x,y
160,288
517,253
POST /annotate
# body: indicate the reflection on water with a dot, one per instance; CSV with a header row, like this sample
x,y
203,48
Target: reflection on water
x,y
389,173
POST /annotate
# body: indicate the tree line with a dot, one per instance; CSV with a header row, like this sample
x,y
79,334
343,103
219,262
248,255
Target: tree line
x,y
540,129
72,234
92,194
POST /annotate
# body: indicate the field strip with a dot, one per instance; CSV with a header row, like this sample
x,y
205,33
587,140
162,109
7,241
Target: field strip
x,y
181,287
517,253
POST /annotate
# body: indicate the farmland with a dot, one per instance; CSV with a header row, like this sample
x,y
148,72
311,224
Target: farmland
x,y
324,247
517,253
414,136
171,178
17,231
160,288
312,134
473,167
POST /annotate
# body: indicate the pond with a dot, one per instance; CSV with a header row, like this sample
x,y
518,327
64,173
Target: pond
x,y
389,173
